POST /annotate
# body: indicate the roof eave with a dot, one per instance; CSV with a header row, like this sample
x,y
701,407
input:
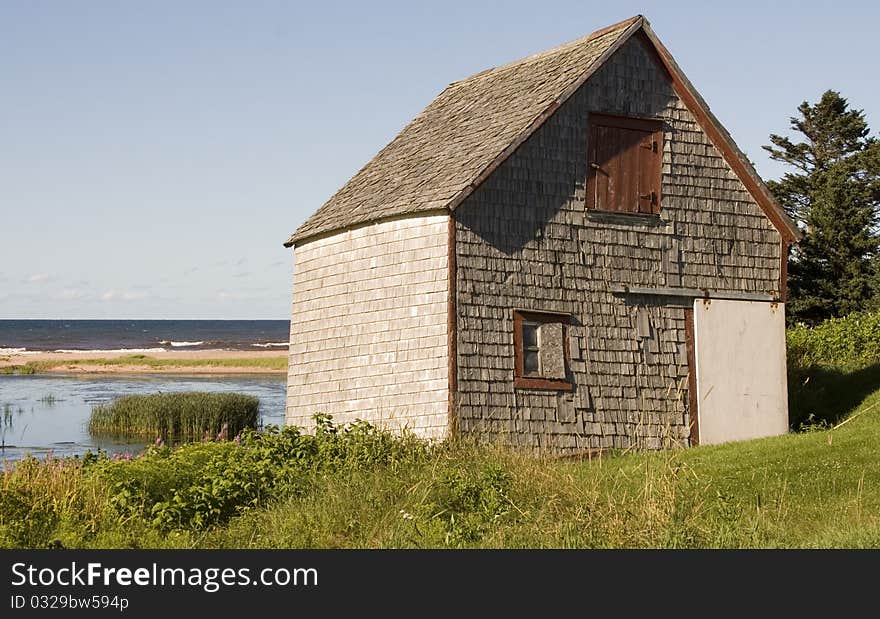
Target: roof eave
x,y
299,238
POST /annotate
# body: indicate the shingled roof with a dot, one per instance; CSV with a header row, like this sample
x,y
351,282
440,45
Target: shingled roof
x,y
474,124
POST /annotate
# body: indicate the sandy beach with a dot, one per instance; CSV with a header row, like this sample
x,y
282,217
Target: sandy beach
x,y
170,362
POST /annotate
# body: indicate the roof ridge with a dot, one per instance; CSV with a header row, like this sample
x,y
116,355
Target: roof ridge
x,y
474,125
555,50
447,149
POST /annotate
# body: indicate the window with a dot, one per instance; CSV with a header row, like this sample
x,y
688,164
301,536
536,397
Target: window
x,y
541,348
624,164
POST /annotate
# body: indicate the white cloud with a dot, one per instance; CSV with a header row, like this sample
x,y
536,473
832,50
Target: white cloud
x,y
128,295
38,277
224,295
69,294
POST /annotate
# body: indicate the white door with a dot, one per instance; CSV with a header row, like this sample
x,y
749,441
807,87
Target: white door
x,y
741,379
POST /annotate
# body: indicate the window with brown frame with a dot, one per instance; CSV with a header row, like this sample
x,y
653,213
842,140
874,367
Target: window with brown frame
x,y
540,343
624,164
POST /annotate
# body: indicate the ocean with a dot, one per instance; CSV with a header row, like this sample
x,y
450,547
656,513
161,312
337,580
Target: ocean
x,y
22,336
44,414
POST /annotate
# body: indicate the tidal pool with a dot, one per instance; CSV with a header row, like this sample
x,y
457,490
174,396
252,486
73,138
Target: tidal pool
x,y
49,414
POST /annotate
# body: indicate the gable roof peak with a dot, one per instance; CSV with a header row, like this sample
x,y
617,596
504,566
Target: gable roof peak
x,y
537,56
471,128
445,151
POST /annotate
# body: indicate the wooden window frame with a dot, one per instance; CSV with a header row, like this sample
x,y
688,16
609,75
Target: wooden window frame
x,y
535,382
651,125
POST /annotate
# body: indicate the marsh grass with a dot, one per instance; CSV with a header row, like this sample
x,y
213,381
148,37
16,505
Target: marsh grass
x,y
23,370
278,364
358,487
40,499
184,416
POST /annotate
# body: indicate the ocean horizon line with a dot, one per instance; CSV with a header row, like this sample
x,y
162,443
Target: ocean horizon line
x,y
140,335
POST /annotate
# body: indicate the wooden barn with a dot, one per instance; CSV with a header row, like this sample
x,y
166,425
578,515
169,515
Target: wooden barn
x,y
567,252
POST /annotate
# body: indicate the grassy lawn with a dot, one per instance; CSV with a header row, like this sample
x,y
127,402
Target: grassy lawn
x,y
358,487
818,489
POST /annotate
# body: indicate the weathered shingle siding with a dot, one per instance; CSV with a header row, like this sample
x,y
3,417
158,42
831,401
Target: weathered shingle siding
x,y
368,330
524,240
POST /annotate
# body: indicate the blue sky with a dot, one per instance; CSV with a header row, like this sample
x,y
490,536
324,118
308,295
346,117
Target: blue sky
x,y
155,155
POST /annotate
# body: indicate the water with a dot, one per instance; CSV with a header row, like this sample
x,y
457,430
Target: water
x,y
142,335
42,414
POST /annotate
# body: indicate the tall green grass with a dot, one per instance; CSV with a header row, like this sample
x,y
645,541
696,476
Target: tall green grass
x,y
358,487
184,416
832,367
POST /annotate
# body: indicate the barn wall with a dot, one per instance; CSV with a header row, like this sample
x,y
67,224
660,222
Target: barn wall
x,y
525,240
368,331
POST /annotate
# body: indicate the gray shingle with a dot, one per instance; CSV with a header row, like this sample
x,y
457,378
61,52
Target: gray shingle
x,y
446,147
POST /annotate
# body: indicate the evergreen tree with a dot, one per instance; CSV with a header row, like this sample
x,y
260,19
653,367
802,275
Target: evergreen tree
x,y
833,194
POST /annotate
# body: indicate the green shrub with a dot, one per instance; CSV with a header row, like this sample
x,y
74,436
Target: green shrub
x,y
849,342
469,502
136,485
831,368
24,522
199,485
360,444
263,467
176,416
357,487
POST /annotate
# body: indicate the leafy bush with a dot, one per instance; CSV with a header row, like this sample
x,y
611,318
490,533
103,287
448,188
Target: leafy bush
x,y
356,487
831,368
202,484
135,486
360,444
177,416
263,467
469,502
850,342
